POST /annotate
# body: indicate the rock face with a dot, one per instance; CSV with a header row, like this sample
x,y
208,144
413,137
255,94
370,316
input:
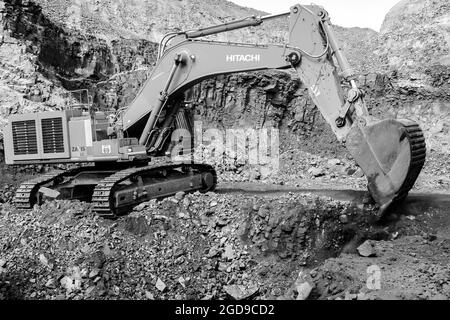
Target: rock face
x,y
360,46
22,87
75,59
416,35
151,19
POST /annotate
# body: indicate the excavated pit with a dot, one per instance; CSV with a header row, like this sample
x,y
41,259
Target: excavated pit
x,y
204,246
214,240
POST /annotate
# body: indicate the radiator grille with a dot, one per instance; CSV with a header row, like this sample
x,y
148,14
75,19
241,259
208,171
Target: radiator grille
x,y
52,135
24,137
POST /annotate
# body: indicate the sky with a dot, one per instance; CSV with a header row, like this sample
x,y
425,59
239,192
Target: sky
x,y
346,13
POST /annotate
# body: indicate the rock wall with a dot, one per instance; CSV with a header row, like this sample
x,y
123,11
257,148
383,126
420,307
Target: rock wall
x,y
77,60
22,87
277,99
262,99
151,19
416,35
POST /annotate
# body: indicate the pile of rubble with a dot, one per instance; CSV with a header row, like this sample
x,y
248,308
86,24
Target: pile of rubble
x,y
217,246
187,246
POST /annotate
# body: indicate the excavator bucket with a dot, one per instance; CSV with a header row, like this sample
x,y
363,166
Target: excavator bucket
x,y
391,153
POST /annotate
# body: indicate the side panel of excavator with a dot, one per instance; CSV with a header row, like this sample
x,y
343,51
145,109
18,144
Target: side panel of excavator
x,y
64,136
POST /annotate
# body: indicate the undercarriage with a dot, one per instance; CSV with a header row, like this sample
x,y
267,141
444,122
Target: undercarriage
x,y
114,192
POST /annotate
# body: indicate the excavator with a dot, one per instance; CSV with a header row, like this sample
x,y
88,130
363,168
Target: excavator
x,y
127,157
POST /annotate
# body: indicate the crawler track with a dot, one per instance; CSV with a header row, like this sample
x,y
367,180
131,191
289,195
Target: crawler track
x,y
25,196
189,177
103,196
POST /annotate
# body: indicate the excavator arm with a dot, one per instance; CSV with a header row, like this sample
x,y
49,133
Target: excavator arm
x,y
390,152
188,63
312,44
